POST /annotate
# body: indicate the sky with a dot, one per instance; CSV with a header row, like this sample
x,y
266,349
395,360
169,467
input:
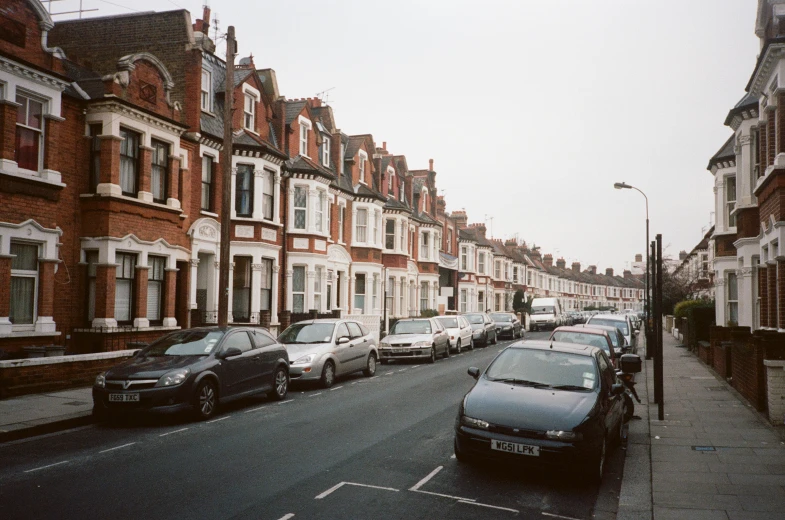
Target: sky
x,y
530,109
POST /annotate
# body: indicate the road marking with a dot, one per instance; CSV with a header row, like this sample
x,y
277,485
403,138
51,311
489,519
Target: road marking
x,y
403,370
336,388
341,484
252,410
287,401
219,419
559,516
443,495
176,431
287,517
48,466
117,447
490,506
390,374
314,395
415,366
426,479
453,456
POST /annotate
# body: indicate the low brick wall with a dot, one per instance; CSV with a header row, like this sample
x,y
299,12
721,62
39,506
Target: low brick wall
x,y
721,358
775,386
706,353
30,376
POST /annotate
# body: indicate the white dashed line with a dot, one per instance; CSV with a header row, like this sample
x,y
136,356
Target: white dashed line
x,y
219,419
48,466
254,409
403,370
415,366
335,388
558,516
492,507
317,393
426,479
390,374
118,447
287,517
325,493
176,431
287,401
460,499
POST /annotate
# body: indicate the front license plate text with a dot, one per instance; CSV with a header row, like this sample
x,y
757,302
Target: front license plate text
x,y
124,398
512,447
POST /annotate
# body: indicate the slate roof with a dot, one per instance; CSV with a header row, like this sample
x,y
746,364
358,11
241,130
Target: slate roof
x,y
364,191
725,153
324,114
239,76
354,144
302,164
293,109
395,204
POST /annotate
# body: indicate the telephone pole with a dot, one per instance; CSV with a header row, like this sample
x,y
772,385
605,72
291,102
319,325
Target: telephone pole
x,y
226,183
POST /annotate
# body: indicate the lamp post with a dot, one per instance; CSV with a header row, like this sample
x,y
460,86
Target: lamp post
x,y
625,186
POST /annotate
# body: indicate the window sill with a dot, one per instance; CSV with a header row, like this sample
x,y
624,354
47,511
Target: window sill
x,y
209,214
132,200
47,177
255,220
29,334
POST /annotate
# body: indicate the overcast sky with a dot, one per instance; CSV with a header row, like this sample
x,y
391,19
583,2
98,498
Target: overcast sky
x,y
531,109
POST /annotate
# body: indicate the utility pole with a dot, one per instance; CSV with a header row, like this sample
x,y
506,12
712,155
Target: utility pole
x,y
659,393
226,183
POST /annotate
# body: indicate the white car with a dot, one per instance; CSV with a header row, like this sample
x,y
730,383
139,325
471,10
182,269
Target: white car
x,y
460,332
620,321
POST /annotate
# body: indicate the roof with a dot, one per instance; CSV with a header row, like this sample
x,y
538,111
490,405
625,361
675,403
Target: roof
x,y
354,144
240,75
395,204
558,346
293,109
302,164
725,153
364,191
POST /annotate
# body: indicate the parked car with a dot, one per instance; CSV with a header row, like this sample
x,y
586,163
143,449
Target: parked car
x,y
546,314
414,338
323,350
460,332
544,403
195,369
620,321
606,338
483,328
620,345
507,324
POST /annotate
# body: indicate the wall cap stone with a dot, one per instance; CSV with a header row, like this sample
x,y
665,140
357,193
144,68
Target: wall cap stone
x,y
20,363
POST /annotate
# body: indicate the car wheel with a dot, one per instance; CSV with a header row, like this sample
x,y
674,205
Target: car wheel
x,y
458,347
495,339
597,466
280,385
432,358
328,374
447,350
471,344
370,366
205,400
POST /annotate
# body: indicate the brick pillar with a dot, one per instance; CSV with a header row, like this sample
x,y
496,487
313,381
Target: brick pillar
x,y
105,279
285,319
52,136
265,318
781,292
145,169
185,186
5,293
173,182
780,120
771,273
170,289
141,276
8,111
771,138
763,290
46,294
110,160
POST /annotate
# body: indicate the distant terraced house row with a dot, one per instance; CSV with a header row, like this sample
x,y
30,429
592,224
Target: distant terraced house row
x,y
111,189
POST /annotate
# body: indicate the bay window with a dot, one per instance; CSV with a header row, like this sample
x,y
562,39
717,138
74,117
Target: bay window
x,y
481,262
268,197
341,217
24,283
463,300
241,289
155,288
159,172
300,207
375,292
91,257
362,225
464,259
129,162
207,183
423,296
389,234
317,288
29,132
390,295
298,288
95,156
376,224
267,284
320,211
733,299
243,201
124,287
730,200
359,291
425,249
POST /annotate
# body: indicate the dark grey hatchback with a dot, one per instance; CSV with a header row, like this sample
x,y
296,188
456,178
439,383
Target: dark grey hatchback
x,y
194,369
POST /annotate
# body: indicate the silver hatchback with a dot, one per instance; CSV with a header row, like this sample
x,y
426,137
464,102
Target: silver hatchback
x,y
322,350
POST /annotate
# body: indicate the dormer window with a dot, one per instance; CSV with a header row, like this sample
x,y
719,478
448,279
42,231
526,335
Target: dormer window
x,y
305,126
424,201
326,151
361,159
249,112
206,90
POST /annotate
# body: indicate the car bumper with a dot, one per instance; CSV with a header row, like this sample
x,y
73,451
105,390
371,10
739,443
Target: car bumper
x,y
310,372
405,353
477,445
164,400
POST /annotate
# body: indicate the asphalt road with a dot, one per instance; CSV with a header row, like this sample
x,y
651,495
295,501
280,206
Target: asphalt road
x,y
369,448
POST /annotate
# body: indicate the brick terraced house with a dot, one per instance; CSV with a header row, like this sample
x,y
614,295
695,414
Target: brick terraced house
x,y
111,167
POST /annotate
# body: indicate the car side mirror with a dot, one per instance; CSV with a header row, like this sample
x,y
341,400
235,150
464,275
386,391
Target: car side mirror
x,y
617,389
625,349
474,372
630,363
230,352
343,340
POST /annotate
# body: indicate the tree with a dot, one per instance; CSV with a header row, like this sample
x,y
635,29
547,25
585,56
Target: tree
x,y
518,300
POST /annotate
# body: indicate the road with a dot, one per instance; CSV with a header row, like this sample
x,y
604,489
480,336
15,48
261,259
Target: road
x,y
371,448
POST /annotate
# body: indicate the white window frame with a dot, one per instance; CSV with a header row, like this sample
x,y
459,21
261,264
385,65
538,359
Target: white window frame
x,y
305,127
361,295
377,217
362,158
730,203
249,116
303,291
425,245
481,262
388,235
44,102
361,226
732,304
424,299
341,221
318,288
206,94
463,300
320,205
464,258
26,273
375,293
303,209
326,150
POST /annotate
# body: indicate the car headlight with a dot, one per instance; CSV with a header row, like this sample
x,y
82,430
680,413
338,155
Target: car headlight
x,y
174,378
474,423
559,435
421,344
100,380
384,344
308,358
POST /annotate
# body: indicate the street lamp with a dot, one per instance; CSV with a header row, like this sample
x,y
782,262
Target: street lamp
x,y
625,186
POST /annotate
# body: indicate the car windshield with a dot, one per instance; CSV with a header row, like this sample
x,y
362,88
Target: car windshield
x,y
186,343
581,338
449,323
543,309
412,327
501,317
301,333
544,368
621,325
475,319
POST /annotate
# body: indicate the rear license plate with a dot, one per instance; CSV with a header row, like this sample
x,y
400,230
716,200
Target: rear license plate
x,y
512,447
123,398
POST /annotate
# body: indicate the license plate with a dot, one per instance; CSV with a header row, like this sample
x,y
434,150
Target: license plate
x,y
398,350
124,398
512,447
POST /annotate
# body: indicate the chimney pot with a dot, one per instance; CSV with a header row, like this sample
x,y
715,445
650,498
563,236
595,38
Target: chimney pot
x,y
430,164
206,19
639,258
609,271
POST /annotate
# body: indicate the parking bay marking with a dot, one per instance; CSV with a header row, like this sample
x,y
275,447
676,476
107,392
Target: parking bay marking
x,y
558,516
490,506
47,466
118,447
287,517
425,480
335,388
176,431
219,419
314,395
341,484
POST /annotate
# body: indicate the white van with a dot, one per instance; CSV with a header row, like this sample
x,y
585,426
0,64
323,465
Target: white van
x,y
546,314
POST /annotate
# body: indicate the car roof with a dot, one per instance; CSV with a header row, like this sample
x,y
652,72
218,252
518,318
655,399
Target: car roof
x,y
595,326
556,346
588,330
414,319
614,317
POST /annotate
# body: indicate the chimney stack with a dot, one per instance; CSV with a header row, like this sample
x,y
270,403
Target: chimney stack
x,y
561,263
682,255
430,164
460,218
576,266
480,229
593,269
511,242
627,274
609,272
548,260
206,19
639,258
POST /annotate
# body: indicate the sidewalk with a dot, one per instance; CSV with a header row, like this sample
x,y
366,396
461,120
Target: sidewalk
x,y
37,414
713,457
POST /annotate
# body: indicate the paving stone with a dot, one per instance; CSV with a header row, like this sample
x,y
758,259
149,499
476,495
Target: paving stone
x,y
749,490
692,476
697,501
668,513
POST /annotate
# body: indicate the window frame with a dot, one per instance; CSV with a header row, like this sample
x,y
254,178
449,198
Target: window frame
x,y
120,261
94,131
318,288
361,226
205,96
267,269
208,185
160,281
18,273
424,297
249,170
425,247
341,221
388,244
131,160
300,209
326,151
299,293
249,115
730,204
39,133
359,297
159,146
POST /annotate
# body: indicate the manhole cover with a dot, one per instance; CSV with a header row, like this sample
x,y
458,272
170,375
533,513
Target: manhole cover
x,y
704,448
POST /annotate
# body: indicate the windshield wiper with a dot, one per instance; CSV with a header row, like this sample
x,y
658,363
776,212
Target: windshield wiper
x,y
524,382
569,387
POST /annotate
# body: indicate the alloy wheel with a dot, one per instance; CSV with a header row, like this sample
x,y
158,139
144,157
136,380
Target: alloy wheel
x,y
281,385
458,347
328,374
207,399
